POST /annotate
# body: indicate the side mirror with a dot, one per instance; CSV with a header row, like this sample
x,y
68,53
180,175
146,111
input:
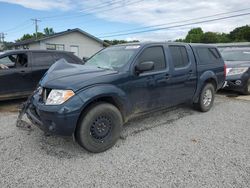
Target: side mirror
x,y
144,66
85,59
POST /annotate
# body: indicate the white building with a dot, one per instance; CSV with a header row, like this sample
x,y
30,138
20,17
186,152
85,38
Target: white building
x,y
75,40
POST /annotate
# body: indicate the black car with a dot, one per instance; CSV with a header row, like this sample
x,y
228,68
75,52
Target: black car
x,y
21,70
92,101
237,60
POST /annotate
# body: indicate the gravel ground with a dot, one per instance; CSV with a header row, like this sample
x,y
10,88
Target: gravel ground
x,y
173,148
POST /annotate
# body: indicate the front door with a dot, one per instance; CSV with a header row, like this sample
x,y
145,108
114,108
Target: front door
x,y
150,89
15,75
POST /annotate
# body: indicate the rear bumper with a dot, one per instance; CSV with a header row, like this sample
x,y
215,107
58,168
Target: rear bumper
x,y
56,119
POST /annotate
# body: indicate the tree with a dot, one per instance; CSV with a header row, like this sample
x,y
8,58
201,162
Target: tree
x,y
210,37
194,35
48,31
240,34
223,38
25,37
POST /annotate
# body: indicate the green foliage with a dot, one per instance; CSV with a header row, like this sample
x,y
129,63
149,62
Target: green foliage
x,y
210,37
196,35
25,37
48,31
240,34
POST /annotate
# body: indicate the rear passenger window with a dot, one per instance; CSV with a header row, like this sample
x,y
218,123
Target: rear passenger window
x,y
208,55
154,54
179,56
43,59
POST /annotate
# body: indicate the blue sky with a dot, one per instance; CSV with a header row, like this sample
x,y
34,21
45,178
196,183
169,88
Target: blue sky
x,y
101,17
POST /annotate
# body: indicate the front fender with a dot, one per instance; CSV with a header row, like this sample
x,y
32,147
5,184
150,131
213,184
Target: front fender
x,y
207,75
95,92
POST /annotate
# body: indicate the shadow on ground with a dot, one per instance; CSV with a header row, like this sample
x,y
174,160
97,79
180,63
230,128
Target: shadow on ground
x,y
11,105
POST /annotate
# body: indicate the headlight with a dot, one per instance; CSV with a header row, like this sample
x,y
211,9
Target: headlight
x,y
57,97
236,71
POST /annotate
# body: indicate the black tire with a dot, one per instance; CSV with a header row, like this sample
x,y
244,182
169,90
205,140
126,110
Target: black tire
x,y
204,104
247,88
99,128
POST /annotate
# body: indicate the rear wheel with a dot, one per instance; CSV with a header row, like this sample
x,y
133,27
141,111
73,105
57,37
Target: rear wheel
x,y
247,88
206,98
99,128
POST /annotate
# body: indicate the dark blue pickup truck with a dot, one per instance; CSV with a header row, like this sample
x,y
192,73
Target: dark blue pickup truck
x,y
93,101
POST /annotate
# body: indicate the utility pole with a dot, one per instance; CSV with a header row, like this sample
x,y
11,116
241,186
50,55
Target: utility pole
x,y
2,37
36,25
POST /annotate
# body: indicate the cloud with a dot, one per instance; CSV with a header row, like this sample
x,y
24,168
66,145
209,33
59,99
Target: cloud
x,y
151,12
42,4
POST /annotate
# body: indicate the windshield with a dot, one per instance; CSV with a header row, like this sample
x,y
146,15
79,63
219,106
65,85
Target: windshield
x,y
236,55
113,57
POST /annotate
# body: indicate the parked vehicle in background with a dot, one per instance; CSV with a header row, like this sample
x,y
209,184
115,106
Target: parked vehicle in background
x,y
21,70
237,60
92,101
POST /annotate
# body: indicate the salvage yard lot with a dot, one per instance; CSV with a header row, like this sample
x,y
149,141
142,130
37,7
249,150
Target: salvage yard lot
x,y
179,147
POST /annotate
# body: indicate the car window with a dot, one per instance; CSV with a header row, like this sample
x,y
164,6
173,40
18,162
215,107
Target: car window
x,y
236,54
113,57
208,55
14,61
66,57
179,56
155,54
43,59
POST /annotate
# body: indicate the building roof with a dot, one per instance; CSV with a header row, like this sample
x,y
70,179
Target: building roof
x,y
29,41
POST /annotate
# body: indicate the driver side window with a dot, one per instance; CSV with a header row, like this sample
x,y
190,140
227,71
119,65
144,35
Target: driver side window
x,y
7,62
155,54
14,61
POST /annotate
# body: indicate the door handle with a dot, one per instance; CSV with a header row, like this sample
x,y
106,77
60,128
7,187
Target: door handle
x,y
23,72
190,72
167,76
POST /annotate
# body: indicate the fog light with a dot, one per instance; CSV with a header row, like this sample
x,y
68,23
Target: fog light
x,y
238,82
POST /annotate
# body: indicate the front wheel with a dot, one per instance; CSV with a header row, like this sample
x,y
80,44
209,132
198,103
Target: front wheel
x,y
99,128
206,98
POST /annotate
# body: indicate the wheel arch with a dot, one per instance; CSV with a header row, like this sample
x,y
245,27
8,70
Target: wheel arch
x,y
103,94
206,77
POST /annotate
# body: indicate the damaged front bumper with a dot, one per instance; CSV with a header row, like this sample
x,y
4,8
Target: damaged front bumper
x,y
236,82
55,119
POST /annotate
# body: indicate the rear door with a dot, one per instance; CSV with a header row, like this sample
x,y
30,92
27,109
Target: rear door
x,y
183,78
41,61
16,80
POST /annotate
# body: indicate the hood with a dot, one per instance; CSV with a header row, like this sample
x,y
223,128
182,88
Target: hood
x,y
234,64
64,75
